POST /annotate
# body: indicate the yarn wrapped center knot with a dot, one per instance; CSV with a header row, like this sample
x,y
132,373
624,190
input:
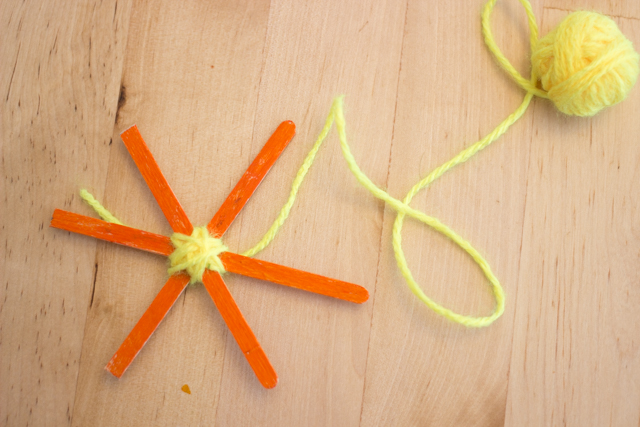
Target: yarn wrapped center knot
x,y
196,253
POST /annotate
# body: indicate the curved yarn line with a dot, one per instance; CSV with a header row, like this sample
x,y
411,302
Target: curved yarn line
x,y
402,207
528,85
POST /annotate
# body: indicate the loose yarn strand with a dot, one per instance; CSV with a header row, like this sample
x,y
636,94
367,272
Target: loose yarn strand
x,y
295,187
100,210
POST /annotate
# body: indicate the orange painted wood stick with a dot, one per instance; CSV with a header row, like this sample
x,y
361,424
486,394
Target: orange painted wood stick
x,y
111,232
251,179
240,329
147,324
282,275
156,181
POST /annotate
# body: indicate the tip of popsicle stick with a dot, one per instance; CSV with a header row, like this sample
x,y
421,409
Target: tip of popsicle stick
x,y
111,368
53,217
128,129
289,123
269,383
362,297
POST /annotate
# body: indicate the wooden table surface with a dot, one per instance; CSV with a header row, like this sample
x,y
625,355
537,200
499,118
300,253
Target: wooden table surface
x,y
554,206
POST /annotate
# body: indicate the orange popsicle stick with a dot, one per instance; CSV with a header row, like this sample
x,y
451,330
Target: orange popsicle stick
x,y
240,329
251,179
180,223
110,232
147,324
287,276
156,181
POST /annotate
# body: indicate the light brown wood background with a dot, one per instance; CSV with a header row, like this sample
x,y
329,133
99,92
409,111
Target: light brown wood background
x,y
554,206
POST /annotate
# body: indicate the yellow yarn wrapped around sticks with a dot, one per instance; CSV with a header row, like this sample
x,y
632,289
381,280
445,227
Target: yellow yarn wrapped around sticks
x,y
585,64
196,253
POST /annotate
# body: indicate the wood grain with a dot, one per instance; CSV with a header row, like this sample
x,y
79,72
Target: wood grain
x,y
553,205
574,358
59,80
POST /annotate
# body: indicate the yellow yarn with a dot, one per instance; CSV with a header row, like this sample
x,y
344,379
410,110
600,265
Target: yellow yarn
x,y
196,253
585,64
297,182
100,210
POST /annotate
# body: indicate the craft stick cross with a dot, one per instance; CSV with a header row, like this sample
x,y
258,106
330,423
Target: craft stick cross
x,y
212,280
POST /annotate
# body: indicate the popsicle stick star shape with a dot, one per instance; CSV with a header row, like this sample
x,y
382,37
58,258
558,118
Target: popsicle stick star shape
x,y
211,279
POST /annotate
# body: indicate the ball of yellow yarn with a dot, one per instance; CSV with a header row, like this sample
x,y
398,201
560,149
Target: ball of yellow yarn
x,y
585,64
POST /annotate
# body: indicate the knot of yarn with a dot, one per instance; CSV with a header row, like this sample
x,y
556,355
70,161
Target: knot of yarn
x,y
585,64
196,253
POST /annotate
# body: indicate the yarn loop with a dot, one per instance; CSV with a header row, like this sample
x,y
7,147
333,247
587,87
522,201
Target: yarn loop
x,y
196,253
